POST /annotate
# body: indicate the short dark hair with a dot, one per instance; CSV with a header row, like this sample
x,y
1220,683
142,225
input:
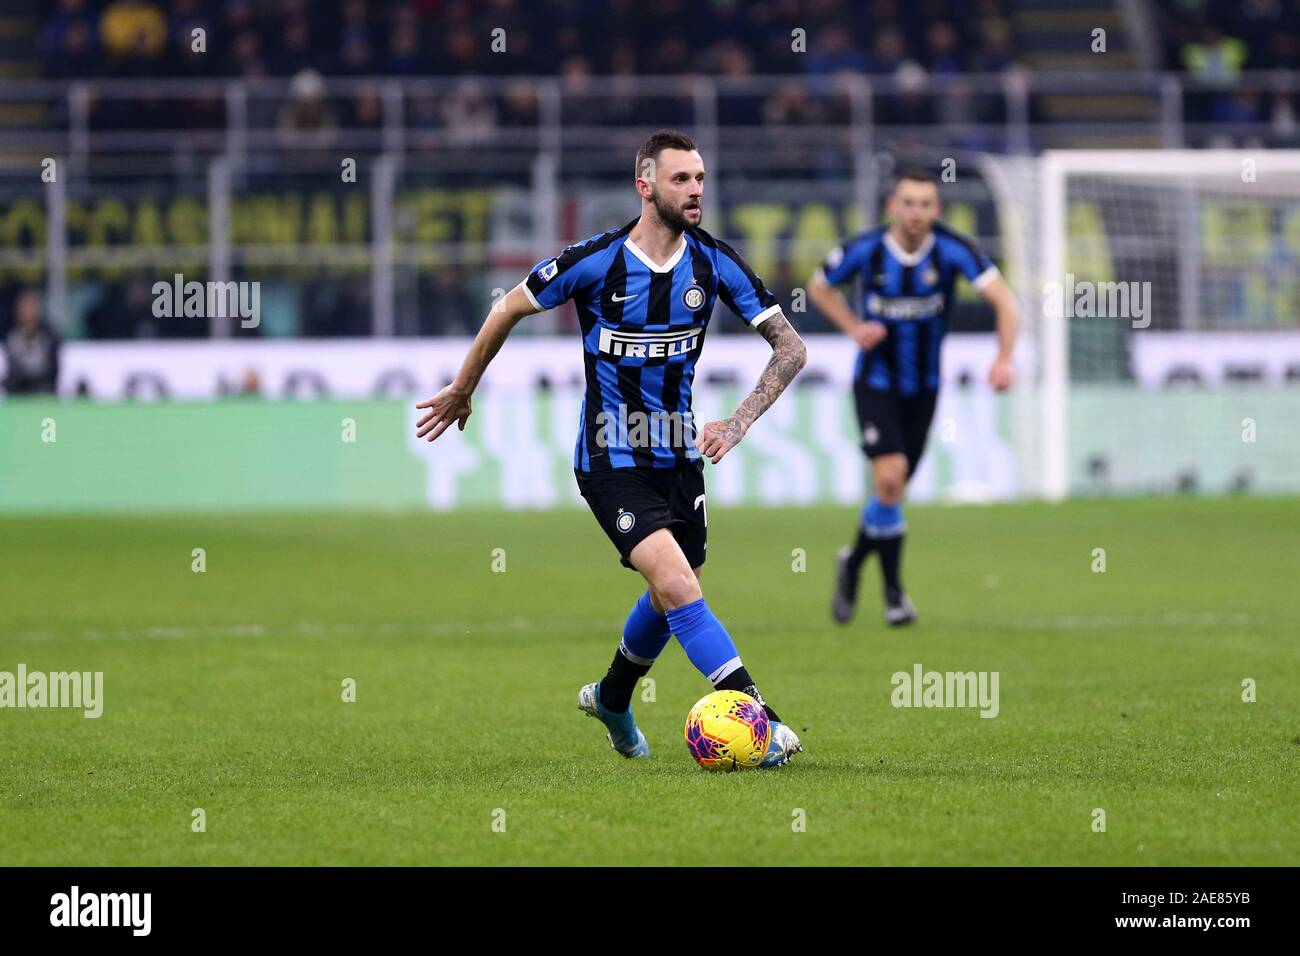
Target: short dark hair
x,y
658,142
915,174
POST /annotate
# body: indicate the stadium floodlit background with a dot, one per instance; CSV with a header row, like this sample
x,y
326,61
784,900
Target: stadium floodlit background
x,y
380,168
378,171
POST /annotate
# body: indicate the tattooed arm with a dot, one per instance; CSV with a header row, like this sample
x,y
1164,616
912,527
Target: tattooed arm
x,y
788,356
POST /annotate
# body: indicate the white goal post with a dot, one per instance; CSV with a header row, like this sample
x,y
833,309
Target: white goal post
x,y
1119,259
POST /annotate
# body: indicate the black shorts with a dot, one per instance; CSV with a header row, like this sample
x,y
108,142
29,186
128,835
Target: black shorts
x,y
632,503
892,423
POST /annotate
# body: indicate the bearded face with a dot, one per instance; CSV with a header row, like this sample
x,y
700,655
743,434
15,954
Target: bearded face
x,y
675,181
677,216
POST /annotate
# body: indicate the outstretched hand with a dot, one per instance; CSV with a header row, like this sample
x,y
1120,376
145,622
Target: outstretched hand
x,y
449,405
1000,375
717,438
869,334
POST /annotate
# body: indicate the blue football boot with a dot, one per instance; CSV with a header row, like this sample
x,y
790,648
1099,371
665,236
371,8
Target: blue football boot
x,y
785,744
624,736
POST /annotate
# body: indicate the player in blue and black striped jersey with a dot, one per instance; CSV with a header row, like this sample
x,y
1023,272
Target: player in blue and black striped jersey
x,y
644,294
908,270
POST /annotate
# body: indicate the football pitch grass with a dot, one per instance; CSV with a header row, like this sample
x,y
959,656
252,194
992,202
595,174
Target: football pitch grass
x,y
1119,691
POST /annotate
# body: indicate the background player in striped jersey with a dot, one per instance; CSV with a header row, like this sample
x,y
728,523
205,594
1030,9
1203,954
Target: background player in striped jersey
x,y
644,294
908,271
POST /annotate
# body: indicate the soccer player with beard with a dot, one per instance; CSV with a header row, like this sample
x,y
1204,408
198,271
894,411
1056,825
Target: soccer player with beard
x,y
644,294
908,271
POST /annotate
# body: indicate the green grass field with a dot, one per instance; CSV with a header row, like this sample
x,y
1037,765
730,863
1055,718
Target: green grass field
x,y
1119,690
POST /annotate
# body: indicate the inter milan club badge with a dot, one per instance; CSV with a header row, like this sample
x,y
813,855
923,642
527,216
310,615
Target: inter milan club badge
x,y
930,276
693,298
625,520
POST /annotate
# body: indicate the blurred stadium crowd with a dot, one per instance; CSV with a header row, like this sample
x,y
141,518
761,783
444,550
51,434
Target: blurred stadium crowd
x,y
82,38
444,37
291,39
900,44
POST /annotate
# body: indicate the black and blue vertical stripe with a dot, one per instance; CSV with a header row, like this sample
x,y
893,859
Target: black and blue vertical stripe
x,y
912,294
643,327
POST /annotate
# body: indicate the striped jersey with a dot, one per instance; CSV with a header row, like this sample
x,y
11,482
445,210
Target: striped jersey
x,y
912,294
643,327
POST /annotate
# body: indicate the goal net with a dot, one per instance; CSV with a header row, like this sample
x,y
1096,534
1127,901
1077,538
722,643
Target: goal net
x,y
1160,295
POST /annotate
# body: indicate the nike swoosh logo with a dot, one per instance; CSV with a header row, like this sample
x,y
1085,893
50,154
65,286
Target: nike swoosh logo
x,y
623,298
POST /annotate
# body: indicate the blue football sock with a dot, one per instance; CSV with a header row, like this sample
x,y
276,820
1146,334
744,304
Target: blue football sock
x,y
880,520
644,636
706,642
646,632
885,525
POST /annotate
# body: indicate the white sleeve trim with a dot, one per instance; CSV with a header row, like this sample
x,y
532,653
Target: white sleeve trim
x,y
531,298
766,314
985,277
820,276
